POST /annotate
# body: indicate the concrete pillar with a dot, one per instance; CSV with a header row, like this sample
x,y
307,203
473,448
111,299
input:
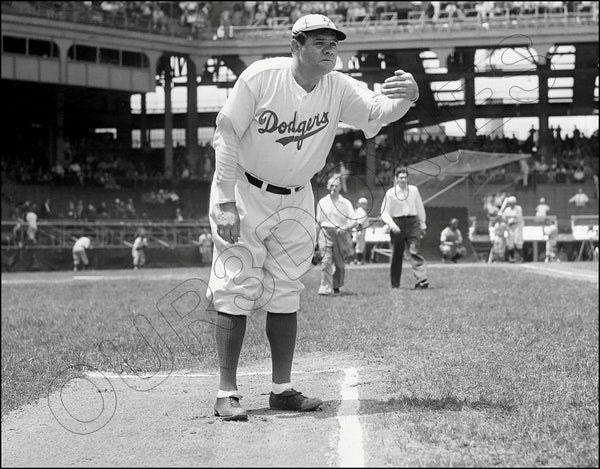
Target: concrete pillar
x,y
144,141
59,124
168,125
469,58
192,153
543,107
443,54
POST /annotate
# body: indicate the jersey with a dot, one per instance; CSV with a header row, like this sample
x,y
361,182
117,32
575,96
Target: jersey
x,y
450,236
285,132
82,244
139,244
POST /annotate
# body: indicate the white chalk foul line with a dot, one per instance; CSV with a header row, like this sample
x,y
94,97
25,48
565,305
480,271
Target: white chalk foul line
x,y
590,276
99,374
350,445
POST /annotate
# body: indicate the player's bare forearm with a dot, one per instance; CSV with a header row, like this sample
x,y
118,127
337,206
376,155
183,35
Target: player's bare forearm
x,y
228,222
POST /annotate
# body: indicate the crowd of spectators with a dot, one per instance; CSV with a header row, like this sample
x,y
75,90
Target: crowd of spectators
x,y
101,163
217,20
562,158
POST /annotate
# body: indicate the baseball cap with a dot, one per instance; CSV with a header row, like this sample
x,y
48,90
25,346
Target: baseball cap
x,y
511,200
313,22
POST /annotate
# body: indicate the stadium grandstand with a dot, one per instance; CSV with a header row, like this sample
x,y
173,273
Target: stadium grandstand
x,y
113,105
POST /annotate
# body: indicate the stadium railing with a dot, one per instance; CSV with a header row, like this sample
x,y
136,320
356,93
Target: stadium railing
x,y
105,233
468,20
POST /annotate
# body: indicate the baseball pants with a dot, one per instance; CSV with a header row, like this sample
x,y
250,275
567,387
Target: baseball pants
x,y
275,249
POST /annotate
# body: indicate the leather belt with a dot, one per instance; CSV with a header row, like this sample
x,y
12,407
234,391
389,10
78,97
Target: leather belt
x,y
270,187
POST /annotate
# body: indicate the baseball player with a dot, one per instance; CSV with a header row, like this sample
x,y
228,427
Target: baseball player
x,y
205,246
79,252
272,136
451,242
513,215
138,251
403,211
498,235
362,219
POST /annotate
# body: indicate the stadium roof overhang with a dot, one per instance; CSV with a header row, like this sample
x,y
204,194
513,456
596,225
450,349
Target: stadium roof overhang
x,y
458,164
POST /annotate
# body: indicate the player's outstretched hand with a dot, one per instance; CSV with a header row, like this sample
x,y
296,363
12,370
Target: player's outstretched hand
x,y
401,86
228,222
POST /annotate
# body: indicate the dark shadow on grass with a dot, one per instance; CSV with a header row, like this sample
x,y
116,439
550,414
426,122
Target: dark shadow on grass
x,y
329,409
450,403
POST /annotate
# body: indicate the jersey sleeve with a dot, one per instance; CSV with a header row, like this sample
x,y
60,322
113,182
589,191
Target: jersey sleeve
x,y
240,105
367,110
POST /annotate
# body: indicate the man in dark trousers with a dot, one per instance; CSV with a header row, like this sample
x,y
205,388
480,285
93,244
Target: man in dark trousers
x,y
403,211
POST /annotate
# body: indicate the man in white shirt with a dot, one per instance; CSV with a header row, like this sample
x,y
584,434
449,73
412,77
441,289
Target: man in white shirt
x,y
335,220
580,199
272,136
542,209
403,211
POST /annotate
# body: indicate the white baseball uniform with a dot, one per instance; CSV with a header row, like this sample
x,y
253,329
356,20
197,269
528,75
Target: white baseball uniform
x,y
137,251
79,254
282,137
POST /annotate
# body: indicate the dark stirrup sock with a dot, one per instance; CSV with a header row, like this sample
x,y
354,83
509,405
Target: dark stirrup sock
x,y
229,334
281,332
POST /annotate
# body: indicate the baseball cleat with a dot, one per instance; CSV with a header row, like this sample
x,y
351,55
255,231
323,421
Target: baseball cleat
x,y
422,285
228,408
293,400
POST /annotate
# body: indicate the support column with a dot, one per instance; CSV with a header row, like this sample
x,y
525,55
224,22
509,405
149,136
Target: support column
x,y
144,141
168,126
469,58
59,148
543,107
192,152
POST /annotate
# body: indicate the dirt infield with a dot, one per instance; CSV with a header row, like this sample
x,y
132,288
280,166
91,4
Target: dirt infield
x,y
172,425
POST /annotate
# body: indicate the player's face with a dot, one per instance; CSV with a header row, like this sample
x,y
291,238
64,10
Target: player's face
x,y
319,52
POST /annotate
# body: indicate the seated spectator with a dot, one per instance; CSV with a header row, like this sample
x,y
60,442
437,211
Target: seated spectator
x,y
579,175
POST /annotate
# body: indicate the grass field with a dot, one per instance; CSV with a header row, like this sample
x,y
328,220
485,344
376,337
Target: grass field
x,y
493,365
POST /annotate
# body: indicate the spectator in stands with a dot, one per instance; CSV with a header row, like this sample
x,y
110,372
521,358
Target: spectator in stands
x,y
579,174
513,214
361,218
542,209
580,200
335,220
102,211
46,210
178,215
138,250
130,210
451,242
80,258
